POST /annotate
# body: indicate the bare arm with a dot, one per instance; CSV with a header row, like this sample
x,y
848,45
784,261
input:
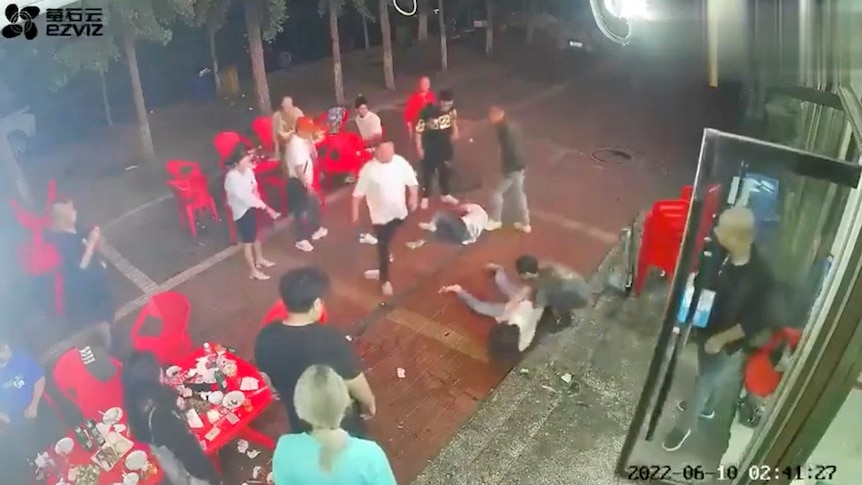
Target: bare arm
x,y
38,392
88,256
354,207
361,391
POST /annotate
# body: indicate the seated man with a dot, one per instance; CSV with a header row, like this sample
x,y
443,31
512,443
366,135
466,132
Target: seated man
x,y
556,287
516,318
369,124
89,302
464,225
27,425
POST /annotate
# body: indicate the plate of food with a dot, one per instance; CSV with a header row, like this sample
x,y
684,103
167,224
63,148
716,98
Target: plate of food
x,y
136,460
107,457
87,475
64,446
173,371
233,399
112,416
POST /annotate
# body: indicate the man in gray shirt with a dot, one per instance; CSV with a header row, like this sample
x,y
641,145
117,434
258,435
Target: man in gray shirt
x,y
511,188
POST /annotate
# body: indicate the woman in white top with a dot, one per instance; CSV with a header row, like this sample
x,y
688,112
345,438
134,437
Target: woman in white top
x,y
301,199
243,199
516,318
462,226
369,124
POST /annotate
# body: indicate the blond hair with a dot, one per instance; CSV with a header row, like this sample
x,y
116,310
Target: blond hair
x,y
321,399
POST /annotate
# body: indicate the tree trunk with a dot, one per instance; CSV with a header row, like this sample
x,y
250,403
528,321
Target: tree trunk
x,y
255,48
423,20
148,150
211,39
365,32
106,103
489,27
444,45
386,31
336,52
13,171
531,21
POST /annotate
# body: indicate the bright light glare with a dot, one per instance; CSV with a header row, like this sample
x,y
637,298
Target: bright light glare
x,y
628,9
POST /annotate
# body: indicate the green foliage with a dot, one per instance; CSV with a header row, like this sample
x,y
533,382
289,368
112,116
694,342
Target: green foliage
x,y
274,17
148,19
360,5
84,54
202,13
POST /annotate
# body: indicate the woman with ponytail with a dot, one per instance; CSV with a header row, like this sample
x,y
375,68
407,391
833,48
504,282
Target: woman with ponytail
x,y
327,455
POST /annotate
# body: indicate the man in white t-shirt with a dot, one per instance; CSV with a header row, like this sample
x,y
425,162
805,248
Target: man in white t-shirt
x,y
384,182
463,225
516,318
369,124
301,199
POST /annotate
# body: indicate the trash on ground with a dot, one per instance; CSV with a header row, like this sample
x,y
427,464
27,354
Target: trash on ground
x,y
567,378
416,244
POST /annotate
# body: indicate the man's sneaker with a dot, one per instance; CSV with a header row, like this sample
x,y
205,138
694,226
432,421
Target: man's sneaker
x,y
704,414
424,203
372,274
428,226
448,199
366,238
320,233
305,246
674,440
493,225
525,228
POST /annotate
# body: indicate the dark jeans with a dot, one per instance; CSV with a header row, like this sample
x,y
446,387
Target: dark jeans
x,y
23,439
385,233
711,371
305,209
434,165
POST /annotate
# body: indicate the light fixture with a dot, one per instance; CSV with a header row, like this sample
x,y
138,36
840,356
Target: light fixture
x,y
625,12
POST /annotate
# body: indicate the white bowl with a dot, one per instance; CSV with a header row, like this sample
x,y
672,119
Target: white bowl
x,y
215,397
136,460
173,371
112,416
233,399
64,446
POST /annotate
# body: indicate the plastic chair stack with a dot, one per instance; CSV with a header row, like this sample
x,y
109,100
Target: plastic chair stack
x,y
170,311
38,257
192,199
83,389
663,231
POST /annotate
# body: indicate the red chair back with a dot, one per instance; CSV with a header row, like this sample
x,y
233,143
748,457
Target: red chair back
x,y
262,127
226,141
184,169
172,310
760,375
90,394
279,312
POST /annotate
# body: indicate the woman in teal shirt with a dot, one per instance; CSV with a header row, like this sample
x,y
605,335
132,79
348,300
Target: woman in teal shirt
x,y
327,455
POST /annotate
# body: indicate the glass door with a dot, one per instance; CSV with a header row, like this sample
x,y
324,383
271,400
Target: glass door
x,y
750,271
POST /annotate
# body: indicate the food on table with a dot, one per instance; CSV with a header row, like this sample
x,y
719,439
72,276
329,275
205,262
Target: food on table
x,y
107,457
249,384
173,371
215,397
136,460
199,406
64,446
233,399
194,419
112,416
213,416
87,475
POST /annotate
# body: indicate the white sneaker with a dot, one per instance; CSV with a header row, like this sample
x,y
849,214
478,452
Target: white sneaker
x,y
305,246
366,238
372,274
265,263
428,226
493,225
259,275
448,199
320,233
424,203
525,228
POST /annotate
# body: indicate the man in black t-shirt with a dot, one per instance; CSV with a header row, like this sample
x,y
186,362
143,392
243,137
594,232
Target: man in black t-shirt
x,y
738,318
88,299
437,129
285,349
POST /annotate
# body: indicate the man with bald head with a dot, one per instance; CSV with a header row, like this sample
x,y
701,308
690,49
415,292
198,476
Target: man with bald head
x,y
384,183
739,317
418,100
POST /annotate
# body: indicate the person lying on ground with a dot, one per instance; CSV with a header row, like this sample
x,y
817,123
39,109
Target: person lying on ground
x,y
516,318
462,225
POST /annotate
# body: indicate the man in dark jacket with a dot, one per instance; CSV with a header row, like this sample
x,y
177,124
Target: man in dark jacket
x,y
511,188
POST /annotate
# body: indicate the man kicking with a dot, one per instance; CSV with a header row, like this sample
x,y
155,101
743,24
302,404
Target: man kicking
x,y
516,318
463,225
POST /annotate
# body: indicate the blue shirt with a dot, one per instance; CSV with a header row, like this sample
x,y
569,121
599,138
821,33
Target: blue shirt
x,y
17,380
297,462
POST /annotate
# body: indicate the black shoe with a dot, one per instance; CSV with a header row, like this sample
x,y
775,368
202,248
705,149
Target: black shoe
x,y
674,440
681,405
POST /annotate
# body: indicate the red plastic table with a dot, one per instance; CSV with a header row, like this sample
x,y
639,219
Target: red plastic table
x,y
231,424
81,457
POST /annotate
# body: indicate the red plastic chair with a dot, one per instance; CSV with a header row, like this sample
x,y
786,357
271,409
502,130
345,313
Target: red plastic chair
x,y
760,375
663,231
186,170
279,312
173,343
192,199
91,395
226,141
342,153
262,127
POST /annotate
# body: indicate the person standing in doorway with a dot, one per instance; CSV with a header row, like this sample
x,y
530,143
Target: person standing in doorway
x,y
384,182
436,132
302,200
418,100
739,318
243,199
510,190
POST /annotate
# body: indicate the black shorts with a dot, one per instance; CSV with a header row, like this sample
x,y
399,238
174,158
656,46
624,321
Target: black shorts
x,y
246,227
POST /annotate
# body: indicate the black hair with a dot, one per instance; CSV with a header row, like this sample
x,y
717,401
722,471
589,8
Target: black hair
x,y
143,390
503,342
447,95
301,287
527,264
360,100
238,153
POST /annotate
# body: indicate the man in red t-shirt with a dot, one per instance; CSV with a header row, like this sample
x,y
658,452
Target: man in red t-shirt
x,y
420,98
